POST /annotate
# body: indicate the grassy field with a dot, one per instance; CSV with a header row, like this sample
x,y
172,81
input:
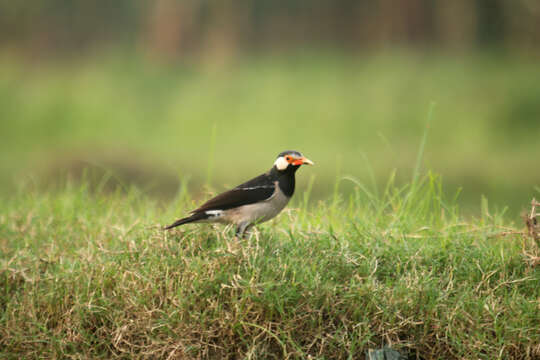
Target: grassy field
x,y
90,274
219,123
356,262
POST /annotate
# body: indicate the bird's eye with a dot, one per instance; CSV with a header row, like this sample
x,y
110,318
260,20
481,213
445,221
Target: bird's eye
x,y
288,158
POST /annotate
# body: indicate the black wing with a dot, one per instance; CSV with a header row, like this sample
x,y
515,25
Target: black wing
x,y
257,189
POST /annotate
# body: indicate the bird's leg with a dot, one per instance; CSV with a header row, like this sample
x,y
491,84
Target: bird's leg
x,y
241,229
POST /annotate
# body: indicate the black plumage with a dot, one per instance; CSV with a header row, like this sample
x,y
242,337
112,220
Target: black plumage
x,y
254,190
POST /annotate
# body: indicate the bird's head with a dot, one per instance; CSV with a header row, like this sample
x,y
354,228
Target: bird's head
x,y
291,160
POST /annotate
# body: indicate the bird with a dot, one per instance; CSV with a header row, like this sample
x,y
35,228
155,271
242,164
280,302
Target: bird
x,y
253,202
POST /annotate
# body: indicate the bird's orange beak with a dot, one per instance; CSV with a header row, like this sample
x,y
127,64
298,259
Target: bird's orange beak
x,y
302,161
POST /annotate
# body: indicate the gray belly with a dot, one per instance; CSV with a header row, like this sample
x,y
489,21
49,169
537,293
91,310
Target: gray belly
x,y
259,212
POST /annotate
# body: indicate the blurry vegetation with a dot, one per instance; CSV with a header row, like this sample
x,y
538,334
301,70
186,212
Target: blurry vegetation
x,y
135,90
152,124
174,27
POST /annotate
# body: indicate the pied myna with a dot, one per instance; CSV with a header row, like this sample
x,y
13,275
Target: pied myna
x,y
255,201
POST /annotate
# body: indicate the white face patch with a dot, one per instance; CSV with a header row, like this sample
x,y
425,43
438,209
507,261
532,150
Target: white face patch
x,y
281,163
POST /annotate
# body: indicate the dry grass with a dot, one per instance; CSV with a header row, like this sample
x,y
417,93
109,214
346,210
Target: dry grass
x,y
531,251
86,275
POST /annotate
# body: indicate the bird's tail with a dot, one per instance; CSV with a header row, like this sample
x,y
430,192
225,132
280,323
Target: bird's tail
x,y
186,220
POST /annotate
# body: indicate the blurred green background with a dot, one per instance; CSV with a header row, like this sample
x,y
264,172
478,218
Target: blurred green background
x,y
156,92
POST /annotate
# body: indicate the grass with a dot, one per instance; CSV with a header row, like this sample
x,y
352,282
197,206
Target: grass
x,y
90,274
87,272
153,123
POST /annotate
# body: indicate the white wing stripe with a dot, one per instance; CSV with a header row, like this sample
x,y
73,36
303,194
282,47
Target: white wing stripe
x,y
214,213
257,187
